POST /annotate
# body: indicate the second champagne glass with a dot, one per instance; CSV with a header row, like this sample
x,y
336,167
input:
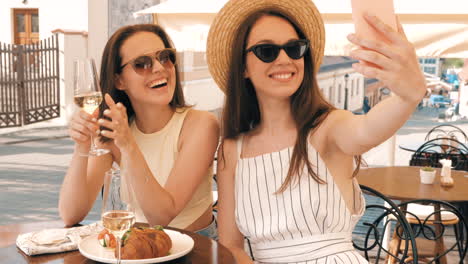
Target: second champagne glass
x,y
87,94
117,215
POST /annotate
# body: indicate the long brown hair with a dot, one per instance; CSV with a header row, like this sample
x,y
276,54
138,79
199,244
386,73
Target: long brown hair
x,y
242,113
111,67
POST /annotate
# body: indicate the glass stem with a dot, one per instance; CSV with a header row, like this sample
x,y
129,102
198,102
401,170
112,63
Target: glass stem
x,y
93,146
119,247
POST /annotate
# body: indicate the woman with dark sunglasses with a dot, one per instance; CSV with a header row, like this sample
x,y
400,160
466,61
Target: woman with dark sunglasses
x,y
288,157
164,148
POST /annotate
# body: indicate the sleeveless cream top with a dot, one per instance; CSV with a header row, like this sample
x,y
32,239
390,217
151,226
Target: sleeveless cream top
x,y
160,152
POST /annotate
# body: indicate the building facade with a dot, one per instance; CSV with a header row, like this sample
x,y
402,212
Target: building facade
x,y
340,84
431,65
28,21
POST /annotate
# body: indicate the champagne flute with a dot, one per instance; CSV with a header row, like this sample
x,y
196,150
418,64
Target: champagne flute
x,y
87,95
117,215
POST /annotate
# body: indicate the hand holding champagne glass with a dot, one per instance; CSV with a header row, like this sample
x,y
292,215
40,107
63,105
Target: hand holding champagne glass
x,y
117,216
87,94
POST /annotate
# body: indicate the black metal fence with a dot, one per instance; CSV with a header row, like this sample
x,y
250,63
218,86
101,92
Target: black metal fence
x,y
29,82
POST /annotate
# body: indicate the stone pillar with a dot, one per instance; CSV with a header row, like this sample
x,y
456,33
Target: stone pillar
x,y
98,33
72,45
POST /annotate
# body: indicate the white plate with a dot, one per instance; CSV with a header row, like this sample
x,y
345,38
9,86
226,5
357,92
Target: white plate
x,y
181,245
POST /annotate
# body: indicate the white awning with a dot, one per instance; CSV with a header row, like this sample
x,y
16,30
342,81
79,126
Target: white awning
x,y
184,7
436,28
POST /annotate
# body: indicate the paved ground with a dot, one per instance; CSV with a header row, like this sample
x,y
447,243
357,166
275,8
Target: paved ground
x,y
32,166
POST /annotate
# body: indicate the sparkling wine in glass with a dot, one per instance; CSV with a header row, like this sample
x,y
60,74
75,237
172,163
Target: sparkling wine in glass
x,y
117,215
87,95
88,102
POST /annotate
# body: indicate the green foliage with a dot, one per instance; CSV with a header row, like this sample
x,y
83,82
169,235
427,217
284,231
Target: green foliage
x,y
427,169
453,63
126,236
158,227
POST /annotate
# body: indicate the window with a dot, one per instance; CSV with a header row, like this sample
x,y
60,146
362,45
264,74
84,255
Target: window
x,y
35,23
430,61
330,94
339,93
26,26
20,24
430,70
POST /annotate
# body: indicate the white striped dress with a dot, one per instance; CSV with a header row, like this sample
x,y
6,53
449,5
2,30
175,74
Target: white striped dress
x,y
307,223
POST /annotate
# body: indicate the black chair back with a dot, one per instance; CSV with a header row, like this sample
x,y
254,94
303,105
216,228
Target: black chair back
x,y
432,228
447,131
429,153
368,235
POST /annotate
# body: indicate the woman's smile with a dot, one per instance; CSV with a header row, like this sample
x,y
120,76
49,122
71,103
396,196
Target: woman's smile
x,y
282,76
159,83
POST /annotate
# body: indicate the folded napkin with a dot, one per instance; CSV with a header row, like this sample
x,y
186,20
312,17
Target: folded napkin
x,y
55,240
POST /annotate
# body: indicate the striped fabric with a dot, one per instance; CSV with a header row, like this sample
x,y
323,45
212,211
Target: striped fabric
x,y
307,223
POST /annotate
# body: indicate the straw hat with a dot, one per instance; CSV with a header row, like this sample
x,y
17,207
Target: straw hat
x,y
226,24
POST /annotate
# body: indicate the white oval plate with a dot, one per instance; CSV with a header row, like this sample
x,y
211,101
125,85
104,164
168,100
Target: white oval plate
x,y
181,245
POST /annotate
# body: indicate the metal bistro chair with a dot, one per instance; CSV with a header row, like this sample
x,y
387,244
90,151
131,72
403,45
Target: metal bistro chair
x,y
429,154
368,235
447,131
430,230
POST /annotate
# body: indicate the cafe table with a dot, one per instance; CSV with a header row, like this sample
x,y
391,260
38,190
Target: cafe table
x,y
403,183
205,250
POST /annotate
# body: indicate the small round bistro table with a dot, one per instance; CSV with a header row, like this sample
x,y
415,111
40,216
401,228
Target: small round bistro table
x,y
403,183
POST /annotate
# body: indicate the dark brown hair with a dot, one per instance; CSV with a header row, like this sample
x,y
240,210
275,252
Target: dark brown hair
x,y
242,113
111,67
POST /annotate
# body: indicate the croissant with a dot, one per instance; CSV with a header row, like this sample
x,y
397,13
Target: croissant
x,y
145,243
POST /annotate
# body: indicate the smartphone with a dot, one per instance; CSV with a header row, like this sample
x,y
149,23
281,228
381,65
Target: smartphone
x,y
383,9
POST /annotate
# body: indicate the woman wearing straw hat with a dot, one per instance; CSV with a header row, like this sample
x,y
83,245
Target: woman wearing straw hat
x,y
288,157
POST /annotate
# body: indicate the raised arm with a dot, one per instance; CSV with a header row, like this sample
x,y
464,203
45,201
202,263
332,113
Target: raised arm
x,y
85,176
229,234
395,65
199,139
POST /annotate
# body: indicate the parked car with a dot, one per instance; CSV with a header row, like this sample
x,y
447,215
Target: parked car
x,y
439,101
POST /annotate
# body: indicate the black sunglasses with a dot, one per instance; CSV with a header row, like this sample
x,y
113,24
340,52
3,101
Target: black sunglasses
x,y
144,64
267,53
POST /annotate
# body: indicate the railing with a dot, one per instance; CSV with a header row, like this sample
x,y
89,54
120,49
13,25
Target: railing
x,y
29,82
